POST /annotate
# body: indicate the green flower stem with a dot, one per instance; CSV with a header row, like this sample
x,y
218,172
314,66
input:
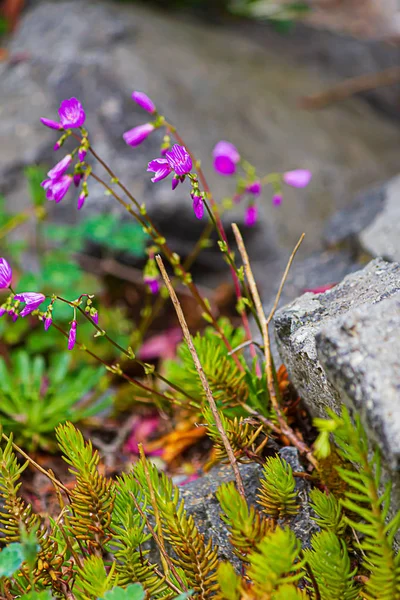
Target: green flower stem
x,y
171,257
160,302
126,352
116,370
216,219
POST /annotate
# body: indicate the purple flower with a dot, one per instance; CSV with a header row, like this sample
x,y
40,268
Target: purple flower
x,y
57,188
277,199
57,146
32,301
81,200
60,168
179,160
72,336
13,315
3,311
226,157
77,179
47,323
160,167
71,114
299,178
95,317
198,206
175,182
153,284
144,102
50,123
5,274
254,188
137,135
82,154
251,215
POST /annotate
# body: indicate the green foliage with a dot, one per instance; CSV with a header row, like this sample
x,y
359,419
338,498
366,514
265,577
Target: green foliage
x,y
369,507
15,514
134,591
131,536
277,493
93,580
106,230
241,436
98,548
246,526
35,398
280,13
92,498
229,582
275,562
196,558
329,512
330,565
11,559
227,382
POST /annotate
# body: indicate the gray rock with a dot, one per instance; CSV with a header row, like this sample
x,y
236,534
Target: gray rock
x,y
360,354
298,324
202,504
99,52
382,236
371,225
344,227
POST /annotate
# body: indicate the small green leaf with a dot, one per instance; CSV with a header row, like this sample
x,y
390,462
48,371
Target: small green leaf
x,y
134,591
44,595
11,559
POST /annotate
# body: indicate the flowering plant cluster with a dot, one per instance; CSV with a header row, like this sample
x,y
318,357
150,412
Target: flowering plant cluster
x,y
33,300
175,160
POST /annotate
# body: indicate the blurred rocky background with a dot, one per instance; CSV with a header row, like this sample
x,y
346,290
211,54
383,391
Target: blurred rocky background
x,y
219,74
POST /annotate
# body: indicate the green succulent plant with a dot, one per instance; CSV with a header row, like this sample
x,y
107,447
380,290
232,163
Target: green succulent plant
x,y
35,397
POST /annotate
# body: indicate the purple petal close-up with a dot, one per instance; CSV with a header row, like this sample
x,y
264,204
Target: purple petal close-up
x,y
144,102
32,301
198,206
137,135
81,200
160,167
5,274
254,188
299,178
179,160
153,284
60,168
47,323
251,215
58,189
226,157
72,336
50,123
71,113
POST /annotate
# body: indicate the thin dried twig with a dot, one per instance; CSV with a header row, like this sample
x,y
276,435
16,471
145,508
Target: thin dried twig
x,y
285,428
203,378
284,277
349,87
53,479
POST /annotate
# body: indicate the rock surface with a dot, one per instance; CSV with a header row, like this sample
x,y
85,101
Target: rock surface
x,y
370,225
360,354
100,52
298,324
